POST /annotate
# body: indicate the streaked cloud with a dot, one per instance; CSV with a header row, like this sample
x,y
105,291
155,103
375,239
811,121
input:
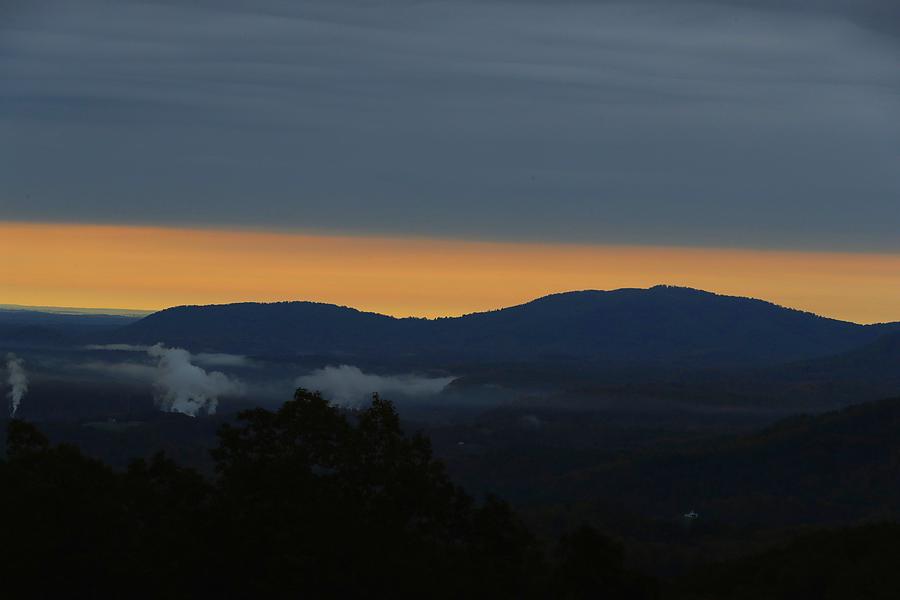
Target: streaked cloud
x,y
727,123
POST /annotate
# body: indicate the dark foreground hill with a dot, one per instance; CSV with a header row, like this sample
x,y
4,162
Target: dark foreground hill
x,y
302,497
859,563
834,468
862,374
662,325
308,502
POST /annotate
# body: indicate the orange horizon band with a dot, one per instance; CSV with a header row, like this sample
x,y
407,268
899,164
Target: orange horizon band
x,y
149,268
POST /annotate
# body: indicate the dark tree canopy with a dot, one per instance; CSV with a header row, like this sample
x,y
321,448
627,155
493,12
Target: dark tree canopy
x,y
340,503
308,501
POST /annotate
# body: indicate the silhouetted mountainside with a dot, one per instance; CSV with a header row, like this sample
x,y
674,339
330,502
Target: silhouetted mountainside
x,y
863,374
661,324
859,563
866,373
836,467
873,359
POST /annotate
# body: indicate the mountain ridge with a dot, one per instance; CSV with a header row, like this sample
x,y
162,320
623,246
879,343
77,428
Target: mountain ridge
x,y
632,325
538,300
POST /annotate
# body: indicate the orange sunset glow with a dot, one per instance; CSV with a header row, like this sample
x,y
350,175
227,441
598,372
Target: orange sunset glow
x,y
152,268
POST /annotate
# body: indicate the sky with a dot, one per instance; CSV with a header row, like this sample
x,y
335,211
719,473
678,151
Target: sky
x,y
564,129
152,268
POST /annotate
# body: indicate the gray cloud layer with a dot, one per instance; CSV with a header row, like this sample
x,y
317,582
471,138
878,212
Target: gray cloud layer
x,y
747,123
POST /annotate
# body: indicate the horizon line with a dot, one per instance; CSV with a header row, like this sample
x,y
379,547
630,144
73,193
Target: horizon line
x,y
140,313
146,269
79,310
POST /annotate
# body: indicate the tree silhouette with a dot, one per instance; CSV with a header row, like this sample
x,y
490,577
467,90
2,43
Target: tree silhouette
x,y
308,501
337,503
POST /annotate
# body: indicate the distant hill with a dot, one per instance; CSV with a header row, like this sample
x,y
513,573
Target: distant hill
x,y
870,360
22,326
866,373
836,467
664,325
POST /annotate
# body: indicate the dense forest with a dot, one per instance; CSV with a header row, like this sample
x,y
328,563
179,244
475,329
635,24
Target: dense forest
x,y
312,500
305,501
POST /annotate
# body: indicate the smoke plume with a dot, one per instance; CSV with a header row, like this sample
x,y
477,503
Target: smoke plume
x,y
348,385
17,380
186,388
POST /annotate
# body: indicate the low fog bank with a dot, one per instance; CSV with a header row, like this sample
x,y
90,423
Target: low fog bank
x,y
347,385
209,359
171,379
126,381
